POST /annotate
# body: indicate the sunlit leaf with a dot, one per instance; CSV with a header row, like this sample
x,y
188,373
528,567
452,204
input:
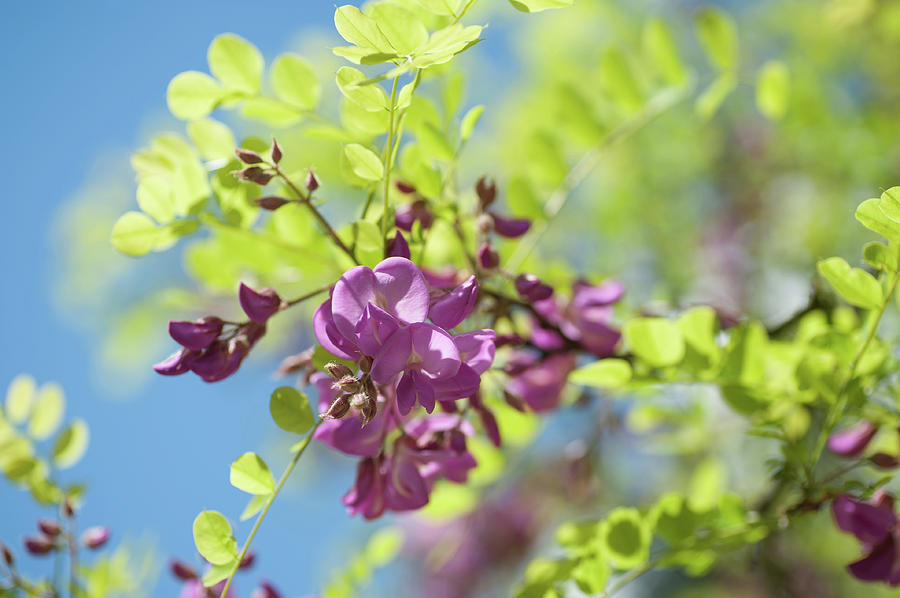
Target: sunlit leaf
x,y
71,444
626,538
855,285
662,52
212,139
364,162
19,397
46,411
290,410
605,373
251,474
213,538
773,89
193,95
655,340
294,81
539,5
236,63
718,36
369,97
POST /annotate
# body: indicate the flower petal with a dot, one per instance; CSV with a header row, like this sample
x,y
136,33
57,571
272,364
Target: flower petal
x,y
352,292
435,350
455,306
393,356
869,523
402,288
374,328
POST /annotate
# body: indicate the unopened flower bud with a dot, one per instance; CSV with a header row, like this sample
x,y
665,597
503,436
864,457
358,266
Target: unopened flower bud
x,y
178,363
247,156
276,151
366,406
182,571
247,561
530,287
885,461
67,507
295,363
338,370
347,384
488,257
370,390
484,223
486,191
312,181
397,247
259,305
508,339
254,174
510,228
406,215
404,188
271,202
514,401
365,364
7,554
265,590
338,408
50,528
39,545
95,537
852,441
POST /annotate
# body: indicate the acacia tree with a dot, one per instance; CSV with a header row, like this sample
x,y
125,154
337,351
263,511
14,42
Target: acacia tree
x,y
442,331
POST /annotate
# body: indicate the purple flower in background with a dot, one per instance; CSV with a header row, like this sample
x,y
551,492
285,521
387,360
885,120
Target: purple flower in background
x,y
366,497
874,524
585,319
454,307
259,305
265,590
406,215
510,228
194,589
95,537
852,441
540,382
398,247
531,288
488,258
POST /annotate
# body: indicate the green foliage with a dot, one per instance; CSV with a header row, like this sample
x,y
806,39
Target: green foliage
x,y
380,550
655,340
539,5
718,36
606,373
213,538
625,538
290,410
773,89
71,444
854,285
236,63
251,474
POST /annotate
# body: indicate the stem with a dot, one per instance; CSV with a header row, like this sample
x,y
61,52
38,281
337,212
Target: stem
x,y
630,577
588,162
262,514
463,12
305,200
835,413
309,295
389,154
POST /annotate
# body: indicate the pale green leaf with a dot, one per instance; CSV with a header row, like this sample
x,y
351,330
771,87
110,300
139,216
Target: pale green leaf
x,y
625,537
213,538
71,444
880,257
217,573
47,411
361,30
251,474
236,63
605,373
364,162
402,28
193,95
290,410
19,397
718,36
706,485
855,285
368,236
371,97
661,50
212,139
889,203
871,216
708,102
698,326
254,506
618,82
655,340
539,5
135,234
773,89
469,120
441,7
443,45
155,198
271,111
294,81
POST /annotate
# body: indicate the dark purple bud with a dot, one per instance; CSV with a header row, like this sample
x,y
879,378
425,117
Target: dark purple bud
x,y
68,508
259,305
296,363
398,247
508,339
852,441
312,181
7,554
406,215
487,257
265,590
177,364
490,426
338,370
404,188
197,334
510,227
530,287
271,202
338,409
39,545
457,441
247,156
211,362
95,537
885,461
248,560
182,571
487,192
514,401
455,306
254,174
49,527
276,151
365,364
347,384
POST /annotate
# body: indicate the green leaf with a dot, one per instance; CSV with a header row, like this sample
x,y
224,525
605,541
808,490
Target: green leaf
x,y
706,486
212,139
236,63
19,397
294,81
698,326
368,236
213,538
443,45
290,410
660,49
403,29
744,361
626,538
441,7
539,5
155,198
889,203
361,30
71,444
217,573
364,162
606,373
371,97
254,506
467,126
655,340
47,411
880,257
618,82
855,285
773,89
591,573
384,546
193,95
672,520
251,474
708,102
870,215
718,36
135,234
273,112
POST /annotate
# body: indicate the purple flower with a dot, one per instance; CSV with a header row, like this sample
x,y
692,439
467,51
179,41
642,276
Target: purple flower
x,y
510,228
875,525
95,537
531,288
265,590
194,589
398,247
852,441
347,434
259,305
454,307
198,334
176,364
443,279
407,214
584,319
488,257
540,383
366,497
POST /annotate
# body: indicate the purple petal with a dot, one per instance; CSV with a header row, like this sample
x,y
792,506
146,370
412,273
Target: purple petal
x,y
542,384
477,348
531,288
435,350
95,537
852,441
176,364
445,279
406,489
487,257
464,383
398,247
375,327
259,305
348,435
454,307
604,293
196,335
352,293
407,393
393,356
401,289
489,422
878,565
328,336
869,523
424,391
510,227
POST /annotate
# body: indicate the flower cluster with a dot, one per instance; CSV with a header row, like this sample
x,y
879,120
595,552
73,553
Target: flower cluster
x,y
213,348
875,525
376,319
193,587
